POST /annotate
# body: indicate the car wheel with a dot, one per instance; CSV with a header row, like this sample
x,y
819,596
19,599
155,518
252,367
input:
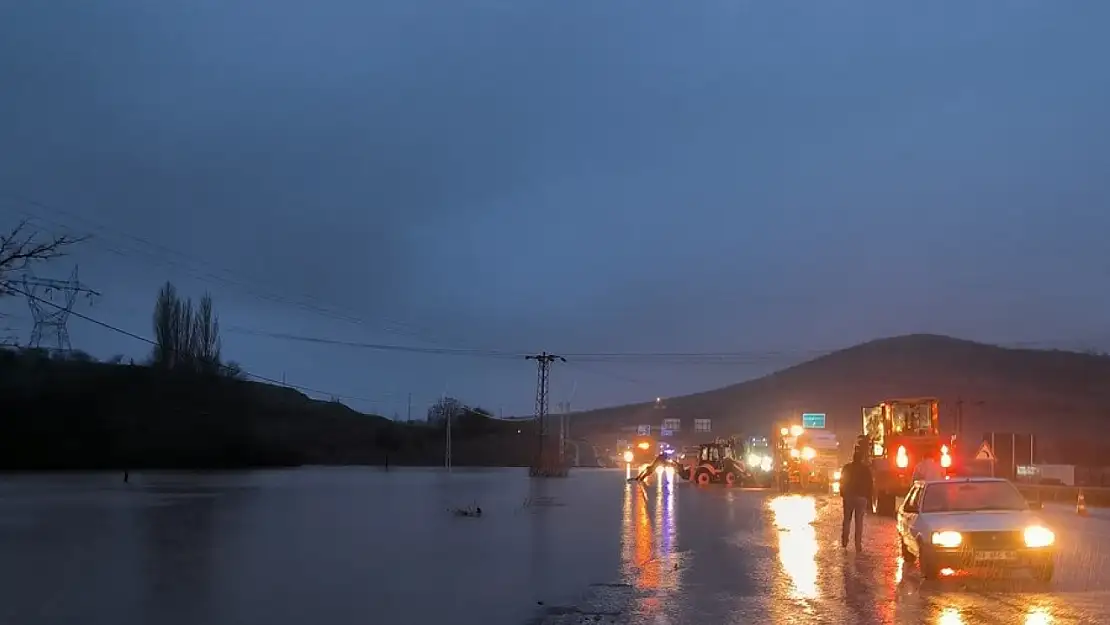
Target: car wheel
x,y
1044,573
906,555
730,479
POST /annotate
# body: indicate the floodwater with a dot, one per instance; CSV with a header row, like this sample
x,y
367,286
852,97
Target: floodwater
x,y
327,546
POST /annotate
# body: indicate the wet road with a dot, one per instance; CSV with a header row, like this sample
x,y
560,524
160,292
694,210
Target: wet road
x,y
717,555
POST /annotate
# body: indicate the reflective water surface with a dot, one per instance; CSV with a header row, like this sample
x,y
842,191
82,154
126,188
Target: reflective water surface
x,y
313,546
345,546
742,556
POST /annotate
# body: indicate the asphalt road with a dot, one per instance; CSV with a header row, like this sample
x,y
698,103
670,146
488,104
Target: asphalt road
x,y
716,555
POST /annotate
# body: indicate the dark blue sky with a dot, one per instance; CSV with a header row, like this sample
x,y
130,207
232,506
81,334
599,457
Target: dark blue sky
x,y
768,178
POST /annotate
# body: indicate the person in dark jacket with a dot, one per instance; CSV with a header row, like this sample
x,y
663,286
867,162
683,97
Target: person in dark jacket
x,y
855,490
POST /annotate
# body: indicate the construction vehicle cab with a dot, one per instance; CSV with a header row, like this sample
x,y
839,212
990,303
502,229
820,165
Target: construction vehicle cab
x,y
819,455
717,462
896,434
807,459
760,459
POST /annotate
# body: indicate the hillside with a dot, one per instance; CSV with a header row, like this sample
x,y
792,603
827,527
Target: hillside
x,y
1004,389
66,414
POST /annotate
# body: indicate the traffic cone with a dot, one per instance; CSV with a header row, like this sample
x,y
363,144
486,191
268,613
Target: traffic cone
x,y
1081,505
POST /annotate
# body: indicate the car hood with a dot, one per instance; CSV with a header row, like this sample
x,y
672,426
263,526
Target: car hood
x,y
985,521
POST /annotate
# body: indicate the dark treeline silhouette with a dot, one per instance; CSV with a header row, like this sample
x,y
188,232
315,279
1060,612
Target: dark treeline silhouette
x,y
185,408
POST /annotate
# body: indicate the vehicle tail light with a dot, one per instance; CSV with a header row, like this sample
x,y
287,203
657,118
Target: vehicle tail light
x,y
945,457
902,459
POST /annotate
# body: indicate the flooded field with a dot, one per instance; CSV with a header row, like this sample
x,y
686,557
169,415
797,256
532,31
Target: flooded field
x,y
327,546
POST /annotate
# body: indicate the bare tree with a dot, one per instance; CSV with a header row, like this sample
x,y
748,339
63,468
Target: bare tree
x,y
445,408
173,329
186,337
22,247
206,336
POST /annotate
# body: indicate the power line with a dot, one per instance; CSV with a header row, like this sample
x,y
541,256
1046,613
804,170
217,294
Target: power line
x,y
730,358
152,342
393,327
439,351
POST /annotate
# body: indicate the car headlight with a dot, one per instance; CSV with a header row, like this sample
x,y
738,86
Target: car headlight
x,y
948,540
628,456
1037,536
753,460
836,475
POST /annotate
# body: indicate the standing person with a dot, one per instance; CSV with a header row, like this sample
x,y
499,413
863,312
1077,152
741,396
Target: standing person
x,y
855,490
928,469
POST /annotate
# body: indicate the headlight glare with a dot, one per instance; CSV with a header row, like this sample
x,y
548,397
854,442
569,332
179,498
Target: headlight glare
x,y
948,539
1037,536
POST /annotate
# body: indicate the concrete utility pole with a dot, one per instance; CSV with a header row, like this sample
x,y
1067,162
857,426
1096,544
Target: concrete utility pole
x,y
544,465
449,410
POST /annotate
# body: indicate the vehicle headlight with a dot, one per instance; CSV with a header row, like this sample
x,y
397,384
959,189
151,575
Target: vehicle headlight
x,y
794,453
628,456
809,453
836,475
753,460
948,540
1037,536
766,464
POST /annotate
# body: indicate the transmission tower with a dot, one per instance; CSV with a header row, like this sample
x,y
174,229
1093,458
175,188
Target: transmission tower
x,y
51,302
544,465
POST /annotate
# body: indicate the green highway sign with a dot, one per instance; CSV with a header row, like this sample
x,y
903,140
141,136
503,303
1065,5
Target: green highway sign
x,y
813,420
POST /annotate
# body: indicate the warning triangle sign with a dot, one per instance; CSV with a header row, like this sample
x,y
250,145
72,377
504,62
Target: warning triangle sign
x,y
985,452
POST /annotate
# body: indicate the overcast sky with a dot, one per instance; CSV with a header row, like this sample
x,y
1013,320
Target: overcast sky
x,y
765,178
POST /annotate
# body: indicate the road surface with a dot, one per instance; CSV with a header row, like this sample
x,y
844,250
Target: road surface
x,y
717,555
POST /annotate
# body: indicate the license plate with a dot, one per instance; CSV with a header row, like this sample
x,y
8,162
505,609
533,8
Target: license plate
x,y
995,556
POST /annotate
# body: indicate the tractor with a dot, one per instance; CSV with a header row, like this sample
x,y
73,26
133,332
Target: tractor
x,y
716,463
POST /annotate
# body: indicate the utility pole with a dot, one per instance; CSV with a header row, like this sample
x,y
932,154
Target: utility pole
x,y
408,416
542,467
450,414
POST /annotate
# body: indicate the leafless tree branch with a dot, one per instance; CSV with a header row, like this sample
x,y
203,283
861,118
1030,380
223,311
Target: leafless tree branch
x,y
22,246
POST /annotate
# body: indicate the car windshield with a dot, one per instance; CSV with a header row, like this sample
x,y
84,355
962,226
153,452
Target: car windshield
x,y
972,496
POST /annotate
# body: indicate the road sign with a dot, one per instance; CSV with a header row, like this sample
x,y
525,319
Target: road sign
x,y
643,430
985,452
703,425
813,420
672,424
666,432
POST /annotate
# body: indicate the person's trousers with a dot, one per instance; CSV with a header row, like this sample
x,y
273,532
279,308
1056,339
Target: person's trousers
x,y
854,508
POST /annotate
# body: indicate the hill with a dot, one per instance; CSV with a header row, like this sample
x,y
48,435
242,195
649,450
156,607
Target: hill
x,y
1004,389
75,414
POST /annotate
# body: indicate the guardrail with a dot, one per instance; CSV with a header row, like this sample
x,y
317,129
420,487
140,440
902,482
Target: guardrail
x,y
1093,496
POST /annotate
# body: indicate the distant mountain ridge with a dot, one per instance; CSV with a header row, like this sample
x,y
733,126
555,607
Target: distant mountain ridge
x,y
1044,392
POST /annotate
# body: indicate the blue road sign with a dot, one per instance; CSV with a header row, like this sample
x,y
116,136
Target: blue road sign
x,y
813,420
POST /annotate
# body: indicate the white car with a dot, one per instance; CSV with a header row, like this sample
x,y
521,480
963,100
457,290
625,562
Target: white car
x,y
966,525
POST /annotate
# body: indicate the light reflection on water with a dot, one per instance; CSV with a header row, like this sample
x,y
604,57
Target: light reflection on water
x,y
794,516
1038,615
649,540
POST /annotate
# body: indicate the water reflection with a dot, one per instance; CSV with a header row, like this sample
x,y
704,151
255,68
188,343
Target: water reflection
x,y
950,616
794,516
1039,615
649,539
